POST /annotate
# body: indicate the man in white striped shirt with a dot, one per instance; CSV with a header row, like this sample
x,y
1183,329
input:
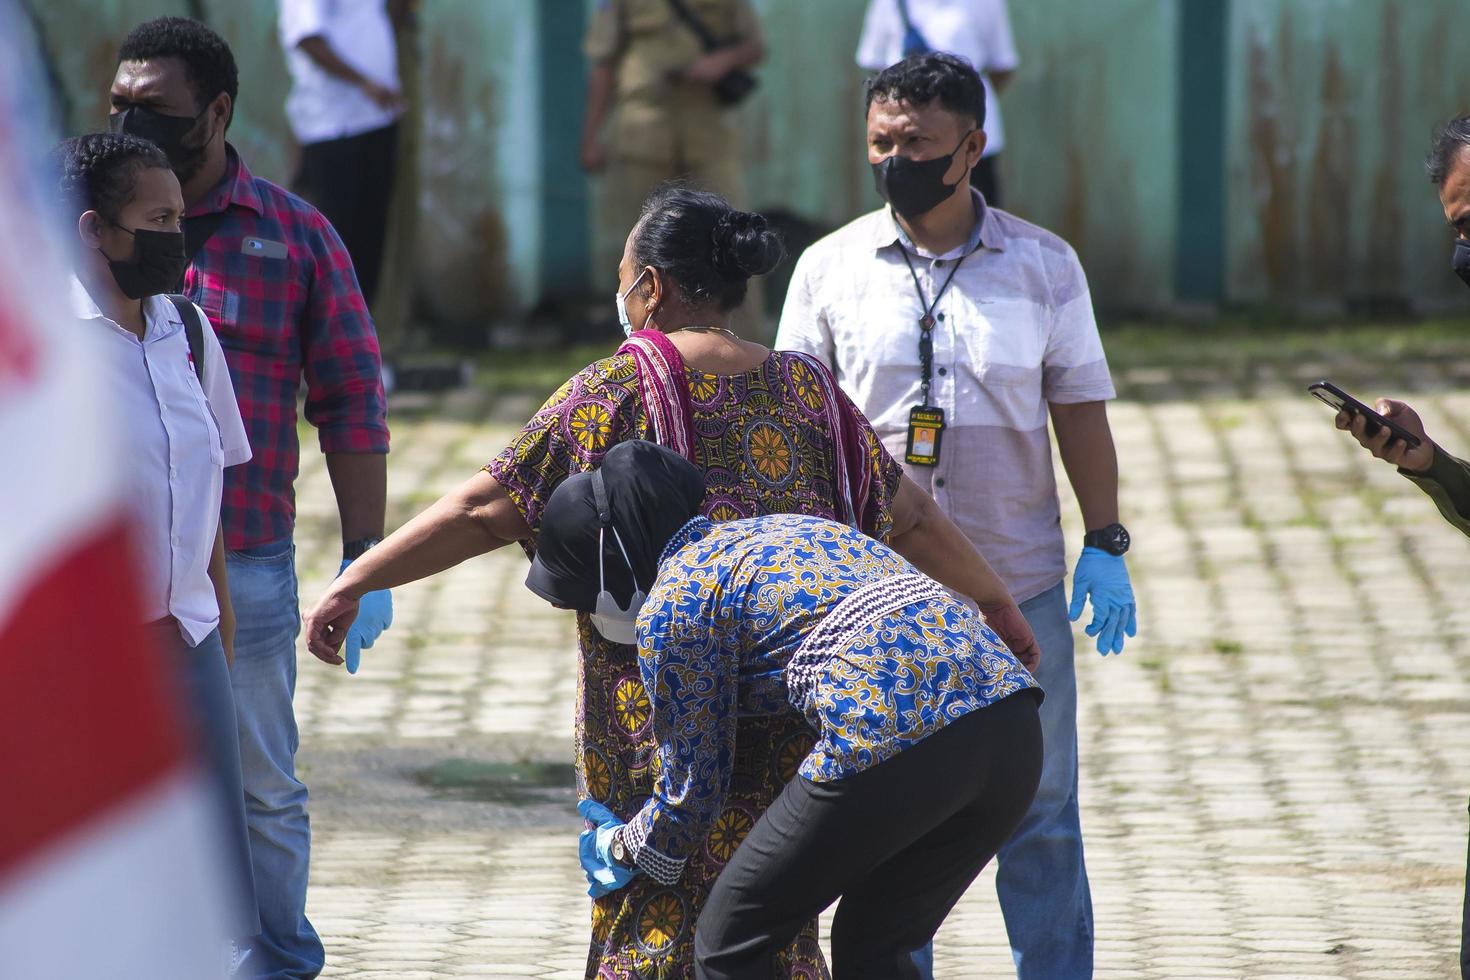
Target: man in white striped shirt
x,y
957,328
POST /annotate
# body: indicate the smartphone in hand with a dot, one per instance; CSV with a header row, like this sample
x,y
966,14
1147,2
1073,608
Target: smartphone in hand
x,y
1341,401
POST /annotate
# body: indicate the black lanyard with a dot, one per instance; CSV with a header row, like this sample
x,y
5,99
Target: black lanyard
x,y
926,322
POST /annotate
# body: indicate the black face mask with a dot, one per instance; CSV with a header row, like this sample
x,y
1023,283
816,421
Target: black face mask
x,y
914,187
156,266
1461,260
165,132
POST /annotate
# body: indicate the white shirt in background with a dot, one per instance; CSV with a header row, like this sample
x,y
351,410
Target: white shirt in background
x,y
321,106
977,30
180,437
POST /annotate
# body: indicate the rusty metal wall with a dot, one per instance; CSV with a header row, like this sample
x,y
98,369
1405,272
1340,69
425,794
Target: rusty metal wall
x,y
1331,107
1091,138
480,119
1328,108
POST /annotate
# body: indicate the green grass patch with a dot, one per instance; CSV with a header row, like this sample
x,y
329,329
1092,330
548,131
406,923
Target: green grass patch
x,y
537,373
515,783
1237,339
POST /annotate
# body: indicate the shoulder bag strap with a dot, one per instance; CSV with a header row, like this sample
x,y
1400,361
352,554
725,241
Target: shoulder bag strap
x,y
193,330
699,27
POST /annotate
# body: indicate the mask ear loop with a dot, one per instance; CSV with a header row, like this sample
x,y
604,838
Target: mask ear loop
x,y
601,581
631,573
629,291
604,517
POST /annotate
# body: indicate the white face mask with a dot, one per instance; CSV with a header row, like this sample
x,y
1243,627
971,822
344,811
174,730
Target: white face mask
x,y
616,624
623,319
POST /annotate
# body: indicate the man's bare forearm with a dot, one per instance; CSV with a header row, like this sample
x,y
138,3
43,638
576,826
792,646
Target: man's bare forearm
x,y
318,50
599,96
1085,441
360,482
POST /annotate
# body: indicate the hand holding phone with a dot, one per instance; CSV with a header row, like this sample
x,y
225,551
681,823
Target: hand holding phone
x,y
1334,396
1396,435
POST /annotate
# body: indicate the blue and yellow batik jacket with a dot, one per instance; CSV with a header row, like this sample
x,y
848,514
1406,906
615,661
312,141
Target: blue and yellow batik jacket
x,y
737,623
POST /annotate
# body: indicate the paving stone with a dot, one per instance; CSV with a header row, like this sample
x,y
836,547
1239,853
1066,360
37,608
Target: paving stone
x,y
1273,774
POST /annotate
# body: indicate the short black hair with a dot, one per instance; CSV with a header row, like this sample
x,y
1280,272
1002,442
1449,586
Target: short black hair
x,y
709,249
1449,141
208,61
921,78
98,171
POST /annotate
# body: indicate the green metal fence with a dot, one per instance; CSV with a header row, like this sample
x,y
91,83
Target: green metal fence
x,y
1194,151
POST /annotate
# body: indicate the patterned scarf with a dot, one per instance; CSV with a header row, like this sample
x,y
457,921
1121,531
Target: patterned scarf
x,y
664,386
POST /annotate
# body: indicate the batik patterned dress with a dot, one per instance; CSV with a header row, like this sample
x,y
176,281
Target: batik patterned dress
x,y
751,617
762,440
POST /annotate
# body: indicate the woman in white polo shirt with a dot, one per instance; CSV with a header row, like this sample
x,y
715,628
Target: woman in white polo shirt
x,y
183,427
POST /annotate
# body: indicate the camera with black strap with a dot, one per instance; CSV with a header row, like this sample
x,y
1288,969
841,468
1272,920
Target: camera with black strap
x,y
735,84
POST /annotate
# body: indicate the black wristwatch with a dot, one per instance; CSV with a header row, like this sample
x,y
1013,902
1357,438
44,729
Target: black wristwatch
x,y
353,550
619,851
1113,539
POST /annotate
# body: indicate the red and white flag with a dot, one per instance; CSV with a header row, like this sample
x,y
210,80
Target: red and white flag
x,y
109,865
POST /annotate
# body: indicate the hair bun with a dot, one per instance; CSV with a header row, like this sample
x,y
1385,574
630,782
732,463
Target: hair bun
x,y
744,245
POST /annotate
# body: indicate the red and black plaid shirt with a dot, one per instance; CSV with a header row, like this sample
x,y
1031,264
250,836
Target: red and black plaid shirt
x,y
279,288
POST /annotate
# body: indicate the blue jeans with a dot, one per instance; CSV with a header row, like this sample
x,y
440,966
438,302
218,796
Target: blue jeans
x,y
204,687
1041,878
263,587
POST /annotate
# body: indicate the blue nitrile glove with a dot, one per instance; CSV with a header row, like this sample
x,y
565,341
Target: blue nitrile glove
x,y
604,875
1104,577
374,614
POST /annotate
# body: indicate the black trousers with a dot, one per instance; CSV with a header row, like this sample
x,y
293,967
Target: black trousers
x,y
1465,925
985,178
350,180
899,842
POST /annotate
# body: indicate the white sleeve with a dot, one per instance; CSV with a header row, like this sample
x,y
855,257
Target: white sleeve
x,y
882,36
804,325
1000,43
301,19
219,391
1074,367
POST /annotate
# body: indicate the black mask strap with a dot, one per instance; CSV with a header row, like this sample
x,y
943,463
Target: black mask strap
x,y
599,499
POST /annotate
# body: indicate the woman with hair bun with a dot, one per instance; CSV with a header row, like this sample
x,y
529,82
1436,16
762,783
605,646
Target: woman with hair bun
x,y
771,432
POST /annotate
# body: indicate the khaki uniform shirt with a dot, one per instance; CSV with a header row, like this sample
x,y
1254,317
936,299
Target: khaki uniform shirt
x,y
660,118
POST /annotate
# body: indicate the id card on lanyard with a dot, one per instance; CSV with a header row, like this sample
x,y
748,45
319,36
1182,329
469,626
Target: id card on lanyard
x,y
926,421
926,427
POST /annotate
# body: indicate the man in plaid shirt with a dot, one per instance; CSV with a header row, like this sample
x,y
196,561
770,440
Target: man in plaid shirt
x,y
280,290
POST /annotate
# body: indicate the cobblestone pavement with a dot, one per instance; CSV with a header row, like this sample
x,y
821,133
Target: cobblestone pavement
x,y
1274,774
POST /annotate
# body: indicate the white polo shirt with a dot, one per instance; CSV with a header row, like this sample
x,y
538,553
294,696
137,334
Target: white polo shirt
x,y
977,30
1014,332
321,106
180,437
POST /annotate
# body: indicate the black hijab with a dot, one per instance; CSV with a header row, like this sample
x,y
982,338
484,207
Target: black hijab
x,y
650,493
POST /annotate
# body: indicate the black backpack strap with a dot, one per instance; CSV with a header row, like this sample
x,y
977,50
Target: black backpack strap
x,y
193,330
699,27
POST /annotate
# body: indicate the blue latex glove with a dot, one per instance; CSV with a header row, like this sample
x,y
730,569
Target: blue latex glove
x,y
374,614
604,875
1104,578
